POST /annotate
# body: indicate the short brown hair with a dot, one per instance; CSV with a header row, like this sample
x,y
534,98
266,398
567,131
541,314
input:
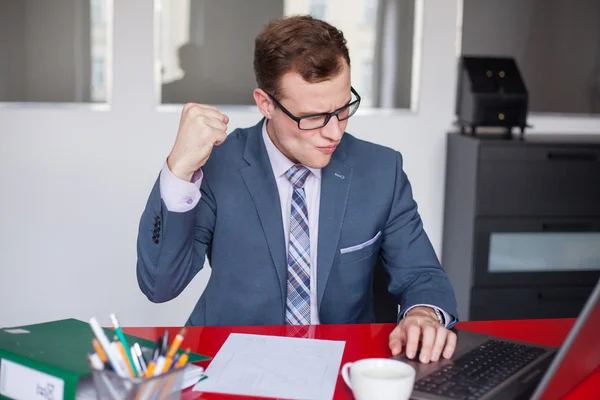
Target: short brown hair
x,y
303,44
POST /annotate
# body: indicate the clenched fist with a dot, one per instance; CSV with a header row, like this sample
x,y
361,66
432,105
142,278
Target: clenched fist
x,y
201,127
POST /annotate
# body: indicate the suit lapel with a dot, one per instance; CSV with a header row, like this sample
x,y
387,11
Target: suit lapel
x,y
335,187
259,179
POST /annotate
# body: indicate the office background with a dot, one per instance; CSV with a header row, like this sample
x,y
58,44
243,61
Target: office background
x,y
74,178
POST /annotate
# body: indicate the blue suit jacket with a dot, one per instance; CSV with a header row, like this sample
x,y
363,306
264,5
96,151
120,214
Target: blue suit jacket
x,y
366,206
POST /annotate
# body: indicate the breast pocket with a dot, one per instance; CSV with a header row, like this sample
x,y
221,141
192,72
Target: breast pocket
x,y
360,251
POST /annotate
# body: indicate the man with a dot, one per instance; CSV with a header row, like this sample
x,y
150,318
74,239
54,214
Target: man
x,y
293,213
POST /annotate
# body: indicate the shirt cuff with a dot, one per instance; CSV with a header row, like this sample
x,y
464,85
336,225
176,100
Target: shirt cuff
x,y
448,319
179,196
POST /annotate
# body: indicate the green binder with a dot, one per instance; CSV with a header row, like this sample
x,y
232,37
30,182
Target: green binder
x,y
56,348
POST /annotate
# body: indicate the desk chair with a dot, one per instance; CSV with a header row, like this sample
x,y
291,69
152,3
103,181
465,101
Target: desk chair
x,y
386,307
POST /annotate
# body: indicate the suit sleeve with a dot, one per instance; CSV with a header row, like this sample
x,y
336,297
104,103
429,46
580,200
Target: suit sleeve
x,y
172,246
416,276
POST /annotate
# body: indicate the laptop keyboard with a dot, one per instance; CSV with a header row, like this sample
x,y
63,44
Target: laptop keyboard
x,y
478,371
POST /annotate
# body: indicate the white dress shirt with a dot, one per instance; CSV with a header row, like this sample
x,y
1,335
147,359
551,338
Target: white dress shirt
x,y
312,189
182,196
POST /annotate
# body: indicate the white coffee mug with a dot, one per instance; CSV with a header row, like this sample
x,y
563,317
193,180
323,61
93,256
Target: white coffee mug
x,y
379,379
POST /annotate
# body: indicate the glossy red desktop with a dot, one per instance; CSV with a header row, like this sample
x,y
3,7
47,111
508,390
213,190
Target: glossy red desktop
x,y
364,341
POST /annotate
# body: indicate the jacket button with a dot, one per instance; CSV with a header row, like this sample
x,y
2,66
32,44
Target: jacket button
x,y
155,241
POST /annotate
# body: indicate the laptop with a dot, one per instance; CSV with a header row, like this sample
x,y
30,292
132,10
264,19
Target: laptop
x,y
486,367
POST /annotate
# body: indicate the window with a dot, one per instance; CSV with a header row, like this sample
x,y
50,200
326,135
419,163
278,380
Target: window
x,y
98,8
98,79
371,12
54,51
318,8
556,44
367,81
202,59
527,252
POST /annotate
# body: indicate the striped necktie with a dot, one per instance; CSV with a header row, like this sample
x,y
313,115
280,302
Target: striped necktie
x,y
297,310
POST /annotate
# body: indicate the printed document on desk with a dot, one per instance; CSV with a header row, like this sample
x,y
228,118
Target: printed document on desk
x,y
272,366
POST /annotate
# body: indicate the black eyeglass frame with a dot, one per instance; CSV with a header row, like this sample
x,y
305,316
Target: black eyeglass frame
x,y
326,115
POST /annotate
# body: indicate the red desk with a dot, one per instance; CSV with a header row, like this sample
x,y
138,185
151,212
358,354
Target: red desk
x,y
363,341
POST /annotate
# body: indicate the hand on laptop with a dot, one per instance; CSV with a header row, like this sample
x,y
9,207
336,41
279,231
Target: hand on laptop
x,y
421,325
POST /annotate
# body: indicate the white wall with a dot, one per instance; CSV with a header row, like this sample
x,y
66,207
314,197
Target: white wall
x,y
73,182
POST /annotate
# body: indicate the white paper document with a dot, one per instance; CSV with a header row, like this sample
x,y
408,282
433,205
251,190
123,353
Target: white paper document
x,y
272,366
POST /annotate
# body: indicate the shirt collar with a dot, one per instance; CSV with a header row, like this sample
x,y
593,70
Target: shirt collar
x,y
279,162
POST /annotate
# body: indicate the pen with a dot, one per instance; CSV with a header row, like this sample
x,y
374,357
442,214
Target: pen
x,y
173,349
175,359
137,350
176,343
118,346
136,363
112,356
165,343
160,365
163,357
157,348
95,361
156,354
123,354
123,340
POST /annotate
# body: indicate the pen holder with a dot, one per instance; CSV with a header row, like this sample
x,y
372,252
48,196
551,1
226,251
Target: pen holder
x,y
110,386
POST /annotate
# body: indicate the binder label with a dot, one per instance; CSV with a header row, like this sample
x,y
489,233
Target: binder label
x,y
20,382
16,331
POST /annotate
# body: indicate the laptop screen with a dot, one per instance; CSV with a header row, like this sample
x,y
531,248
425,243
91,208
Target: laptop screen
x,y
579,355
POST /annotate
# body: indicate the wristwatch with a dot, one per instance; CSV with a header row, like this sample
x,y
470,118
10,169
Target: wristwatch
x,y
439,316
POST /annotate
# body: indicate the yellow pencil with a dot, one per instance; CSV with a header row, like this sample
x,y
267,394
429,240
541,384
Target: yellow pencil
x,y
168,364
123,354
173,349
150,370
183,359
99,350
176,343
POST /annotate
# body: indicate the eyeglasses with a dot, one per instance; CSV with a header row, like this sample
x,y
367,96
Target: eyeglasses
x,y
316,121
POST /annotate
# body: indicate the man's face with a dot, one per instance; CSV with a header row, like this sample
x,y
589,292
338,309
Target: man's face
x,y
312,148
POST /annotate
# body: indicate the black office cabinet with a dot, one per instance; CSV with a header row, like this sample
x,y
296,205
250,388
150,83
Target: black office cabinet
x,y
521,234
